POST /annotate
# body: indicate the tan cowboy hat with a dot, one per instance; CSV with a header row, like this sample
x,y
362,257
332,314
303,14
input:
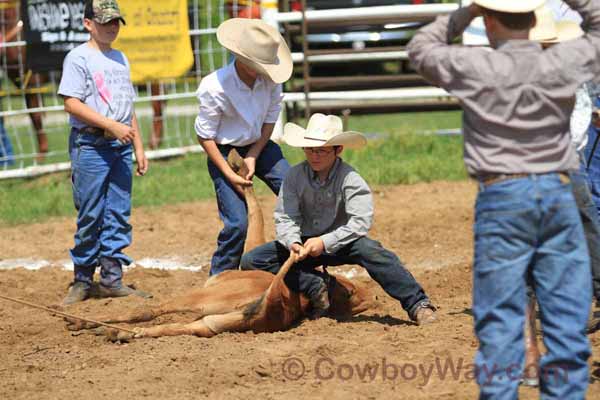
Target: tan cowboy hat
x,y
258,45
322,130
510,6
548,30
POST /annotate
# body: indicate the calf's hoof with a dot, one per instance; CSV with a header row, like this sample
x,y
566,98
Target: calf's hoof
x,y
75,324
116,335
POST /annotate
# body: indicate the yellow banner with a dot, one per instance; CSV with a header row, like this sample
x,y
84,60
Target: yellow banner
x,y
156,39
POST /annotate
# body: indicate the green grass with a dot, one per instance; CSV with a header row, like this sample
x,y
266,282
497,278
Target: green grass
x,y
396,155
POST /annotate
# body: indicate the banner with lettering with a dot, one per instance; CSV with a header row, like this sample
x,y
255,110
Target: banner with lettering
x,y
52,28
156,39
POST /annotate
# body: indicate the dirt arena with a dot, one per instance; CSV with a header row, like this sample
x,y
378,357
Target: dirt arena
x,y
378,354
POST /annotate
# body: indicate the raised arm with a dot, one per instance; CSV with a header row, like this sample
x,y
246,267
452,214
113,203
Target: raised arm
x,y
590,12
430,50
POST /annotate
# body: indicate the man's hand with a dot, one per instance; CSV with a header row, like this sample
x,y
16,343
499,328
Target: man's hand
x,y
300,251
314,246
122,132
251,165
142,162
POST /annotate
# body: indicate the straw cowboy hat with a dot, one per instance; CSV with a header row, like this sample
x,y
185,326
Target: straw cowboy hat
x,y
510,6
258,45
322,130
548,30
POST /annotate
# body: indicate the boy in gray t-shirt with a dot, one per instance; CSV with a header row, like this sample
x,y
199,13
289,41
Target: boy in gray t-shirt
x,y
98,95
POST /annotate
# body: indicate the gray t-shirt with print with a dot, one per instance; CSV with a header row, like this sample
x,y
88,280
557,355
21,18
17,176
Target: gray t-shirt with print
x,y
101,80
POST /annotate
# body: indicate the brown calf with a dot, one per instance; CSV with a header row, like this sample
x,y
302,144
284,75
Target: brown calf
x,y
238,301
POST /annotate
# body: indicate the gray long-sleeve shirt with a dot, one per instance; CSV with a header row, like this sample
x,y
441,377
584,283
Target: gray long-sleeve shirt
x,y
339,210
518,98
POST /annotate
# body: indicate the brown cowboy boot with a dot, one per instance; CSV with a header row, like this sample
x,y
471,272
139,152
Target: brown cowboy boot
x,y
425,314
104,292
78,291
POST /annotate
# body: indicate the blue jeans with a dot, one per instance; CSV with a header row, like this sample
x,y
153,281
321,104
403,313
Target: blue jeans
x,y
381,264
102,182
271,168
6,150
529,229
590,221
593,175
72,148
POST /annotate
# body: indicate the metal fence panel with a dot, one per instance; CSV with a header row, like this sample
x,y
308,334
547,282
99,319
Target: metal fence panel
x,y
37,127
33,116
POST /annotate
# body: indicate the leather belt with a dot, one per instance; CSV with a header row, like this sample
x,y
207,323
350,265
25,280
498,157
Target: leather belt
x,y
92,130
491,179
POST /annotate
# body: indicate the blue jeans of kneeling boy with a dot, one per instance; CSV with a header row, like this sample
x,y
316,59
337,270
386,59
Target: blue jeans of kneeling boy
x,y
529,229
102,182
271,168
381,264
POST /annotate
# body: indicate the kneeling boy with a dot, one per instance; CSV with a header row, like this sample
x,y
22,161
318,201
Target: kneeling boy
x,y
323,213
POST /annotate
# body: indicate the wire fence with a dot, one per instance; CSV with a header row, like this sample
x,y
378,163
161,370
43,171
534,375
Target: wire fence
x,y
36,127
35,135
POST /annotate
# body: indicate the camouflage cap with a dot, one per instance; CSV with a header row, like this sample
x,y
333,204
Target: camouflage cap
x,y
103,11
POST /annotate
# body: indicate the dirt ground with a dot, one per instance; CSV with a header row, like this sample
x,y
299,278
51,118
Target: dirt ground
x,y
378,354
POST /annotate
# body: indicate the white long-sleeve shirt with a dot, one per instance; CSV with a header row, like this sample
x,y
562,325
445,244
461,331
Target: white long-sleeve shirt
x,y
233,113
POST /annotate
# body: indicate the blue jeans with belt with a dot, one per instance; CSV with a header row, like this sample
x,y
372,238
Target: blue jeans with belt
x,y
381,264
102,183
271,168
529,229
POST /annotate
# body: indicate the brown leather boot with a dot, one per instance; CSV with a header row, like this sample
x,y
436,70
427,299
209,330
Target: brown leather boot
x,y
78,291
425,314
104,292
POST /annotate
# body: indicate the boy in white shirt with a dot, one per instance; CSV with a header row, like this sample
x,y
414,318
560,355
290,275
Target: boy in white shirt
x,y
239,105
